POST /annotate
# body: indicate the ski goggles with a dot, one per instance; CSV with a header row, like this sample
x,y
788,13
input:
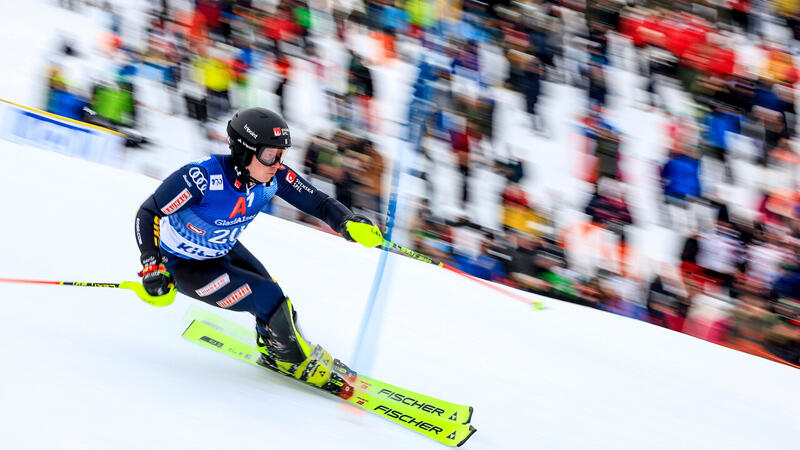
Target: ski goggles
x,y
269,156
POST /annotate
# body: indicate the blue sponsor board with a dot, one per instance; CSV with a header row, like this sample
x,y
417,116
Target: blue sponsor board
x,y
51,134
37,129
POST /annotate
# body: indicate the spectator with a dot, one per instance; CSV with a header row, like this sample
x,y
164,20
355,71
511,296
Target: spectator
x,y
783,339
597,91
479,262
609,209
371,178
113,104
722,120
277,28
343,172
720,253
787,281
529,263
61,99
765,254
216,74
680,181
460,144
590,294
282,68
665,308
361,91
603,142
752,319
517,212
525,77
302,19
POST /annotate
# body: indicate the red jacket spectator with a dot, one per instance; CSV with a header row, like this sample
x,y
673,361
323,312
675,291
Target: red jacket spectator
x,y
211,11
631,26
279,27
722,61
740,5
515,195
282,66
697,57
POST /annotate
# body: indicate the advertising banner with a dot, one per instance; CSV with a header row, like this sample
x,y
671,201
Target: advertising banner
x,y
28,126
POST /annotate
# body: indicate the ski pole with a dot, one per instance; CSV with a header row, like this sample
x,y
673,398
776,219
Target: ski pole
x,y
137,288
536,304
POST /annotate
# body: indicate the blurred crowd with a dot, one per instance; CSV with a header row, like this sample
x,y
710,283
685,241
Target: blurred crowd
x,y
736,281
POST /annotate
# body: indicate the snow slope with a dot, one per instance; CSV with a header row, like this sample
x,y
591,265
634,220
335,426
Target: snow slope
x,y
98,369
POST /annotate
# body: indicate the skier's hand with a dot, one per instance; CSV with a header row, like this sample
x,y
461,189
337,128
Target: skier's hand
x,y
360,229
155,278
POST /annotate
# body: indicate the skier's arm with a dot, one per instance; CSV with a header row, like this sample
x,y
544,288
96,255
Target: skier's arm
x,y
305,197
302,195
179,190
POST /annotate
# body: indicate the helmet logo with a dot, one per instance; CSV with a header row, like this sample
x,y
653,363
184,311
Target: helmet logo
x,y
276,131
251,132
246,145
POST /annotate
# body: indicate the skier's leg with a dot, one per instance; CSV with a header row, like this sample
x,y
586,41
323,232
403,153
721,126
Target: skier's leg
x,y
289,351
220,283
241,283
242,258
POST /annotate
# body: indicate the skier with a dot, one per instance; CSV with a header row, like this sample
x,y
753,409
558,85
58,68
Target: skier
x,y
187,234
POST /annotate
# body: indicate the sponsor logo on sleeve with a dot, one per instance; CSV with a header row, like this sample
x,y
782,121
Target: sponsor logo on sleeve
x,y
218,283
216,183
235,296
198,178
195,229
298,185
177,202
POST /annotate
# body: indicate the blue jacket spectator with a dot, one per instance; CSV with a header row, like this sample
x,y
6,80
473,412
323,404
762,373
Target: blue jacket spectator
x,y
719,123
681,177
765,97
787,285
395,19
483,266
66,104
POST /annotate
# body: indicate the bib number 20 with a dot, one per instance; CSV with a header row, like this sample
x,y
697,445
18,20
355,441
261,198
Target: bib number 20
x,y
225,236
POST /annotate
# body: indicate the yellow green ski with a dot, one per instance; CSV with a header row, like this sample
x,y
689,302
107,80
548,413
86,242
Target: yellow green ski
x,y
442,409
211,331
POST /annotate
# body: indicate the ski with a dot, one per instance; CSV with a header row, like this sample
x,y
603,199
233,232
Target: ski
x,y
433,406
451,411
444,431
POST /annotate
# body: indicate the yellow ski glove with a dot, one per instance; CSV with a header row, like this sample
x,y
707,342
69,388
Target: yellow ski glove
x,y
360,229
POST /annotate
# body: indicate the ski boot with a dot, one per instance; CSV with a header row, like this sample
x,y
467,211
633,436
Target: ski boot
x,y
285,350
349,375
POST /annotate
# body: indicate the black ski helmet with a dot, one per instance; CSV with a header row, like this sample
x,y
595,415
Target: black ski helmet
x,y
249,130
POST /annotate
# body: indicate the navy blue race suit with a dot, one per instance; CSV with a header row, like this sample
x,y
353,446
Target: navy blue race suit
x,y
195,218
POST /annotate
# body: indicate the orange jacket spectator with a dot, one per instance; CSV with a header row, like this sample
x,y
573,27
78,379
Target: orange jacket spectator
x,y
780,67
